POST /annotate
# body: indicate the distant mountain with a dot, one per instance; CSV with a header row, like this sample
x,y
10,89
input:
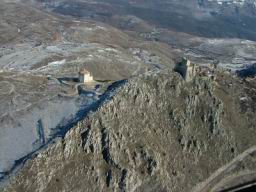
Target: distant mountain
x,y
230,7
207,18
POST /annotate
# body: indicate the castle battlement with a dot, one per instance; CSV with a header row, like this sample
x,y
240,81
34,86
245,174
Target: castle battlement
x,y
186,69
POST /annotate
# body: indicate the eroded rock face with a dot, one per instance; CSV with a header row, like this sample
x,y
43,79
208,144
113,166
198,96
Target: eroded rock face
x,y
158,133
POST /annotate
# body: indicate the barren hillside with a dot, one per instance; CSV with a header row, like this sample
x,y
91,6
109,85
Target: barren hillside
x,y
158,133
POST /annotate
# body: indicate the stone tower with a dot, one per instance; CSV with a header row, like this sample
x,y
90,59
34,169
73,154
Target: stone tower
x,y
186,69
85,76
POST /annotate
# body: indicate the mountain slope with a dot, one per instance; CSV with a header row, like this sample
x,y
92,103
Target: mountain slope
x,y
158,133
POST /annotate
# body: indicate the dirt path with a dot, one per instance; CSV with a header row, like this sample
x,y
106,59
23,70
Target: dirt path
x,y
215,178
9,86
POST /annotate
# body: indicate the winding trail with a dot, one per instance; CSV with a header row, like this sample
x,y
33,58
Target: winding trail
x,y
216,177
11,88
236,182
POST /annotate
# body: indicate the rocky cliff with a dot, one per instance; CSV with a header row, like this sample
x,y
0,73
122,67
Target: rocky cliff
x,y
158,133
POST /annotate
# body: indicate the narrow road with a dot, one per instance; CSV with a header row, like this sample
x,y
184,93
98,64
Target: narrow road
x,y
8,85
236,182
216,177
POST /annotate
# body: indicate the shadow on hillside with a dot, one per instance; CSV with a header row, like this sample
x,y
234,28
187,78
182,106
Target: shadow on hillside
x,y
249,71
62,130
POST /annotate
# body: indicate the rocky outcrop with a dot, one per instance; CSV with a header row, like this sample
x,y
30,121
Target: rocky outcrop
x,y
158,133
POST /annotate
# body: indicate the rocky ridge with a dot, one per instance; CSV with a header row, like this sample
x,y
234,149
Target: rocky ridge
x,y
158,133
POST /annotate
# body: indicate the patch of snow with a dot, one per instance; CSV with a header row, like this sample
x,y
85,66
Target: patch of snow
x,y
56,63
243,98
111,50
100,27
101,50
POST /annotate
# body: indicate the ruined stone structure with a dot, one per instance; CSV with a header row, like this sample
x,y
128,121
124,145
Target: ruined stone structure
x,y
85,76
186,69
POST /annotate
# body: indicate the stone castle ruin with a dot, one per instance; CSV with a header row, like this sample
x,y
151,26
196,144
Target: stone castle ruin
x,y
85,76
186,69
